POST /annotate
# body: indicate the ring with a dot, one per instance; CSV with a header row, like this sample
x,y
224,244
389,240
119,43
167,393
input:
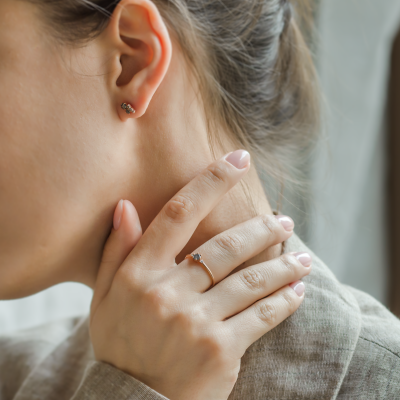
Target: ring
x,y
197,258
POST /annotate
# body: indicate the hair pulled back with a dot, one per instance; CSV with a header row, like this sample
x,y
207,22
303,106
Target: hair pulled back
x,y
254,68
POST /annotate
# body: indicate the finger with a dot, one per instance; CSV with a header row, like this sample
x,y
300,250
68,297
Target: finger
x,y
175,224
124,236
248,326
242,289
226,251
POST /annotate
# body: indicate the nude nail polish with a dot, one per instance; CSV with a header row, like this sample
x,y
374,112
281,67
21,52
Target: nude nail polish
x,y
287,222
298,287
239,159
304,258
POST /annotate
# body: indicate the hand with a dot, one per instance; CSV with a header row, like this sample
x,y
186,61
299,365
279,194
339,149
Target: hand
x,y
158,322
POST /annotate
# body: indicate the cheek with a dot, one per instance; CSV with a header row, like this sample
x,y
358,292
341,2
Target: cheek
x,y
62,160
58,162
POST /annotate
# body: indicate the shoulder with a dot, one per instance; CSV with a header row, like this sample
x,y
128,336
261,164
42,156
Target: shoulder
x,y
374,369
340,344
22,351
379,325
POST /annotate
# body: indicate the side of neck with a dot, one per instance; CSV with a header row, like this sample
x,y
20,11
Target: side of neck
x,y
245,201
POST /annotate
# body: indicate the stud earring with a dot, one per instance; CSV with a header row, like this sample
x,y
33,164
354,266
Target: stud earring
x,y
128,108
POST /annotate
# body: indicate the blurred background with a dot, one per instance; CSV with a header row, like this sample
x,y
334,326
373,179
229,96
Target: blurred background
x,y
352,215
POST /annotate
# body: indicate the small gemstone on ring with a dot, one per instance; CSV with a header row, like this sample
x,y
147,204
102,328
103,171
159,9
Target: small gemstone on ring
x,y
197,257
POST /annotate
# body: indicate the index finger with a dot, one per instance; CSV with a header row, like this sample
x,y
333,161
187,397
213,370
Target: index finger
x,y
170,231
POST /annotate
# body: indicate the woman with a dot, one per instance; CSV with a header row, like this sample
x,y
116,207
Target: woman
x,y
133,99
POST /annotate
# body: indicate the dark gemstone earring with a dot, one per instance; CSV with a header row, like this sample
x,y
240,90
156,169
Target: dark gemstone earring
x,y
128,108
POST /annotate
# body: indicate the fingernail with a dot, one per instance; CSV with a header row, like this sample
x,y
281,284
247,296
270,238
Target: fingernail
x,y
286,222
304,258
239,159
298,287
118,215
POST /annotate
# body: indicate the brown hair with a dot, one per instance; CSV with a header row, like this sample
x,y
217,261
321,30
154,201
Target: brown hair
x,y
254,68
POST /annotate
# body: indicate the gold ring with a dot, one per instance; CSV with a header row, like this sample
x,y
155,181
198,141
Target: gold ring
x,y
197,258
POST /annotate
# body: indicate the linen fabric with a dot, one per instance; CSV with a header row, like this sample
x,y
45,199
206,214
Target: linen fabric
x,y
340,344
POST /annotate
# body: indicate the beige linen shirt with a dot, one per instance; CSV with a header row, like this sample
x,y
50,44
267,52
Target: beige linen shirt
x,y
340,344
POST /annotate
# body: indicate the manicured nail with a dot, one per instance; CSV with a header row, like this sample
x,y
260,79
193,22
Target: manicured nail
x,y
239,159
304,258
298,287
118,215
286,222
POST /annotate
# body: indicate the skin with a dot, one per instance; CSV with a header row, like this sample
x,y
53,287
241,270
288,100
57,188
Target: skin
x,y
69,153
161,322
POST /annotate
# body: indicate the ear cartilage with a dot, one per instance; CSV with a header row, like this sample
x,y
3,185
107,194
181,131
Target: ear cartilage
x,y
128,108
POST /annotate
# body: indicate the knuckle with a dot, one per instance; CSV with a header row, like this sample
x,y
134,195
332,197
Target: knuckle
x,y
153,297
211,345
180,209
127,281
290,301
231,244
158,302
184,322
289,263
216,175
269,223
190,319
200,313
267,313
252,279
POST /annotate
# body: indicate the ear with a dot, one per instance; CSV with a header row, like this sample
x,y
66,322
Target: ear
x,y
142,54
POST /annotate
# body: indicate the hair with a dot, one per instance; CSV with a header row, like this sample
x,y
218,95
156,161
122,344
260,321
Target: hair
x,y
255,71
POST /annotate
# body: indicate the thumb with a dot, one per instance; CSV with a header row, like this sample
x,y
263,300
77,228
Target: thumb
x,y
124,236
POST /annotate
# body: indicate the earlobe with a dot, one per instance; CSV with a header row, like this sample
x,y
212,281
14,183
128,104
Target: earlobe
x,y
143,45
